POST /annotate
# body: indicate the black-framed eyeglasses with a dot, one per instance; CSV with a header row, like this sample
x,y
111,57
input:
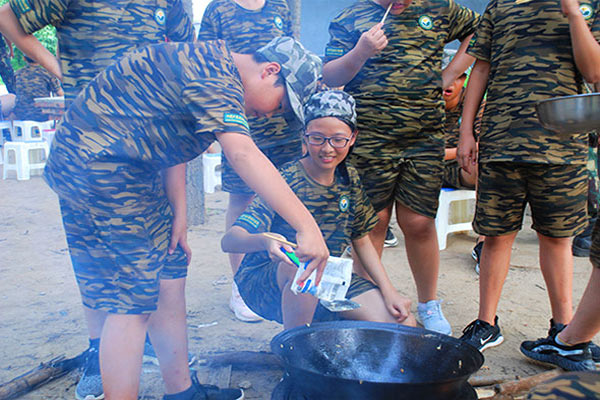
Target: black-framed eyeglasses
x,y
338,142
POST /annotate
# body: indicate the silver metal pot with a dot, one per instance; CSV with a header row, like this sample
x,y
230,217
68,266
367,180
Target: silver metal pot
x,y
570,114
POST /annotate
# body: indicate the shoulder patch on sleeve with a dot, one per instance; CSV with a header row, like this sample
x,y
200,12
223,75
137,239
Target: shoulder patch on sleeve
x,y
23,6
250,220
236,119
334,52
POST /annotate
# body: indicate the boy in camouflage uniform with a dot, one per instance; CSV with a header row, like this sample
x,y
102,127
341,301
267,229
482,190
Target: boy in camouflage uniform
x,y
91,36
246,26
33,81
519,161
106,163
394,73
332,192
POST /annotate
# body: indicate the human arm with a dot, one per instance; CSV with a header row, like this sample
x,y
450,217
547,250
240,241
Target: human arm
x,y
342,70
175,189
458,65
397,305
586,49
239,240
260,175
467,147
28,44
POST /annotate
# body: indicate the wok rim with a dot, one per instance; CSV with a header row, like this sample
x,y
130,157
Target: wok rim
x,y
281,338
562,98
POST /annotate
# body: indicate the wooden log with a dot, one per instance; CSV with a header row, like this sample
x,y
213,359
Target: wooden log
x,y
525,384
483,380
42,374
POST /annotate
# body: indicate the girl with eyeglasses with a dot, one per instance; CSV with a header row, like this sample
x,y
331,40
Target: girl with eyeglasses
x,y
331,191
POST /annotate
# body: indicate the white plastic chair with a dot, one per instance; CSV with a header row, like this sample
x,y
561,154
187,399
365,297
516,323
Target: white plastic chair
x,y
211,163
24,158
459,220
29,131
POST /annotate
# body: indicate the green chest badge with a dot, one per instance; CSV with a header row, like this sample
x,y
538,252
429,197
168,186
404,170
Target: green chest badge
x,y
426,22
586,11
278,22
344,203
160,17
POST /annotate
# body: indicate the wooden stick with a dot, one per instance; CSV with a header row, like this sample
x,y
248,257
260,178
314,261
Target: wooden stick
x,y
277,238
249,360
387,12
42,374
482,380
522,385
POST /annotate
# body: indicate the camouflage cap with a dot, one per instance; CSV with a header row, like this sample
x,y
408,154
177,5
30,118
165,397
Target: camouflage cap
x,y
331,103
299,67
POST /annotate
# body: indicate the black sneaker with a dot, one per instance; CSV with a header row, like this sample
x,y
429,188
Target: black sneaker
x,y
89,386
482,335
555,328
150,354
476,254
390,239
583,242
569,358
210,392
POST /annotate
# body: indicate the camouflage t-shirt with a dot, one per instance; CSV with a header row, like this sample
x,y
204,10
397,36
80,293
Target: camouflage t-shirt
x,y
342,211
401,85
94,34
529,48
245,31
157,107
33,81
6,70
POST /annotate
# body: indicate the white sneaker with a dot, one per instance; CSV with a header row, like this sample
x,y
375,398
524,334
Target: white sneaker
x,y
432,318
239,308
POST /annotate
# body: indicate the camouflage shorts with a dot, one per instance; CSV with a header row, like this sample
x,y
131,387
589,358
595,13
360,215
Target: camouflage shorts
x,y
118,258
259,289
557,196
413,182
279,155
452,176
569,386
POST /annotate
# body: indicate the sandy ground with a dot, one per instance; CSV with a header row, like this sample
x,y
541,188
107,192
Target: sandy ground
x,y
41,316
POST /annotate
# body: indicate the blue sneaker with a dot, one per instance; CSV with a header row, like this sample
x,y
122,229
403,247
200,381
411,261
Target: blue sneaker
x,y
150,354
432,318
89,386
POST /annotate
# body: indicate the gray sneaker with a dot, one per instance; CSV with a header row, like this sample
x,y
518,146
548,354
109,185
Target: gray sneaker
x,y
90,383
432,318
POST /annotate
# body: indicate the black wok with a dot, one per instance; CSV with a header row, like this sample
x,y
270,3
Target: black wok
x,y
368,360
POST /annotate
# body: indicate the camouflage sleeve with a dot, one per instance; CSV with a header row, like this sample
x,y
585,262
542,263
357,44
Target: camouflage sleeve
x,y
481,44
364,215
257,218
179,23
463,21
595,28
33,15
287,20
209,29
340,41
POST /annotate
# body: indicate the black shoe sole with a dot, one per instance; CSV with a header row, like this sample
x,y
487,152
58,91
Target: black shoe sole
x,y
558,361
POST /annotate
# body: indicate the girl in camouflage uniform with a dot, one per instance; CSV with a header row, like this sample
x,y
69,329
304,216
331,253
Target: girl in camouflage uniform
x,y
332,192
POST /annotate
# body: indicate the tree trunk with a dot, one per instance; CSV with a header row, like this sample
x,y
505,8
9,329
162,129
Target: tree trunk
x,y
194,180
295,7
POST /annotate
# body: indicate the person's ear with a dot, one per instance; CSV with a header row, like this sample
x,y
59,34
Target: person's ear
x,y
351,143
271,68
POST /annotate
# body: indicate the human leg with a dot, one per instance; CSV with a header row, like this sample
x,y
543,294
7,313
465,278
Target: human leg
x,y
297,309
121,348
556,263
586,321
168,332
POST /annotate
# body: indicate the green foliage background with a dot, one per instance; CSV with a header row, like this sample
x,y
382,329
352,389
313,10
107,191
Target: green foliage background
x,y
47,36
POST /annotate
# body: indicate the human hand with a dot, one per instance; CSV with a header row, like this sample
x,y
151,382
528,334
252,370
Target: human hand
x,y
276,248
397,305
467,150
372,41
312,249
179,237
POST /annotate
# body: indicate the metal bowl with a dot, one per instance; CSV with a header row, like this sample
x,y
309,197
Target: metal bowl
x,y
570,114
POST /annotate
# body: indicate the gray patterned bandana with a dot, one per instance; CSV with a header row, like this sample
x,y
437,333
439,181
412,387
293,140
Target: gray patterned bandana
x,y
331,103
